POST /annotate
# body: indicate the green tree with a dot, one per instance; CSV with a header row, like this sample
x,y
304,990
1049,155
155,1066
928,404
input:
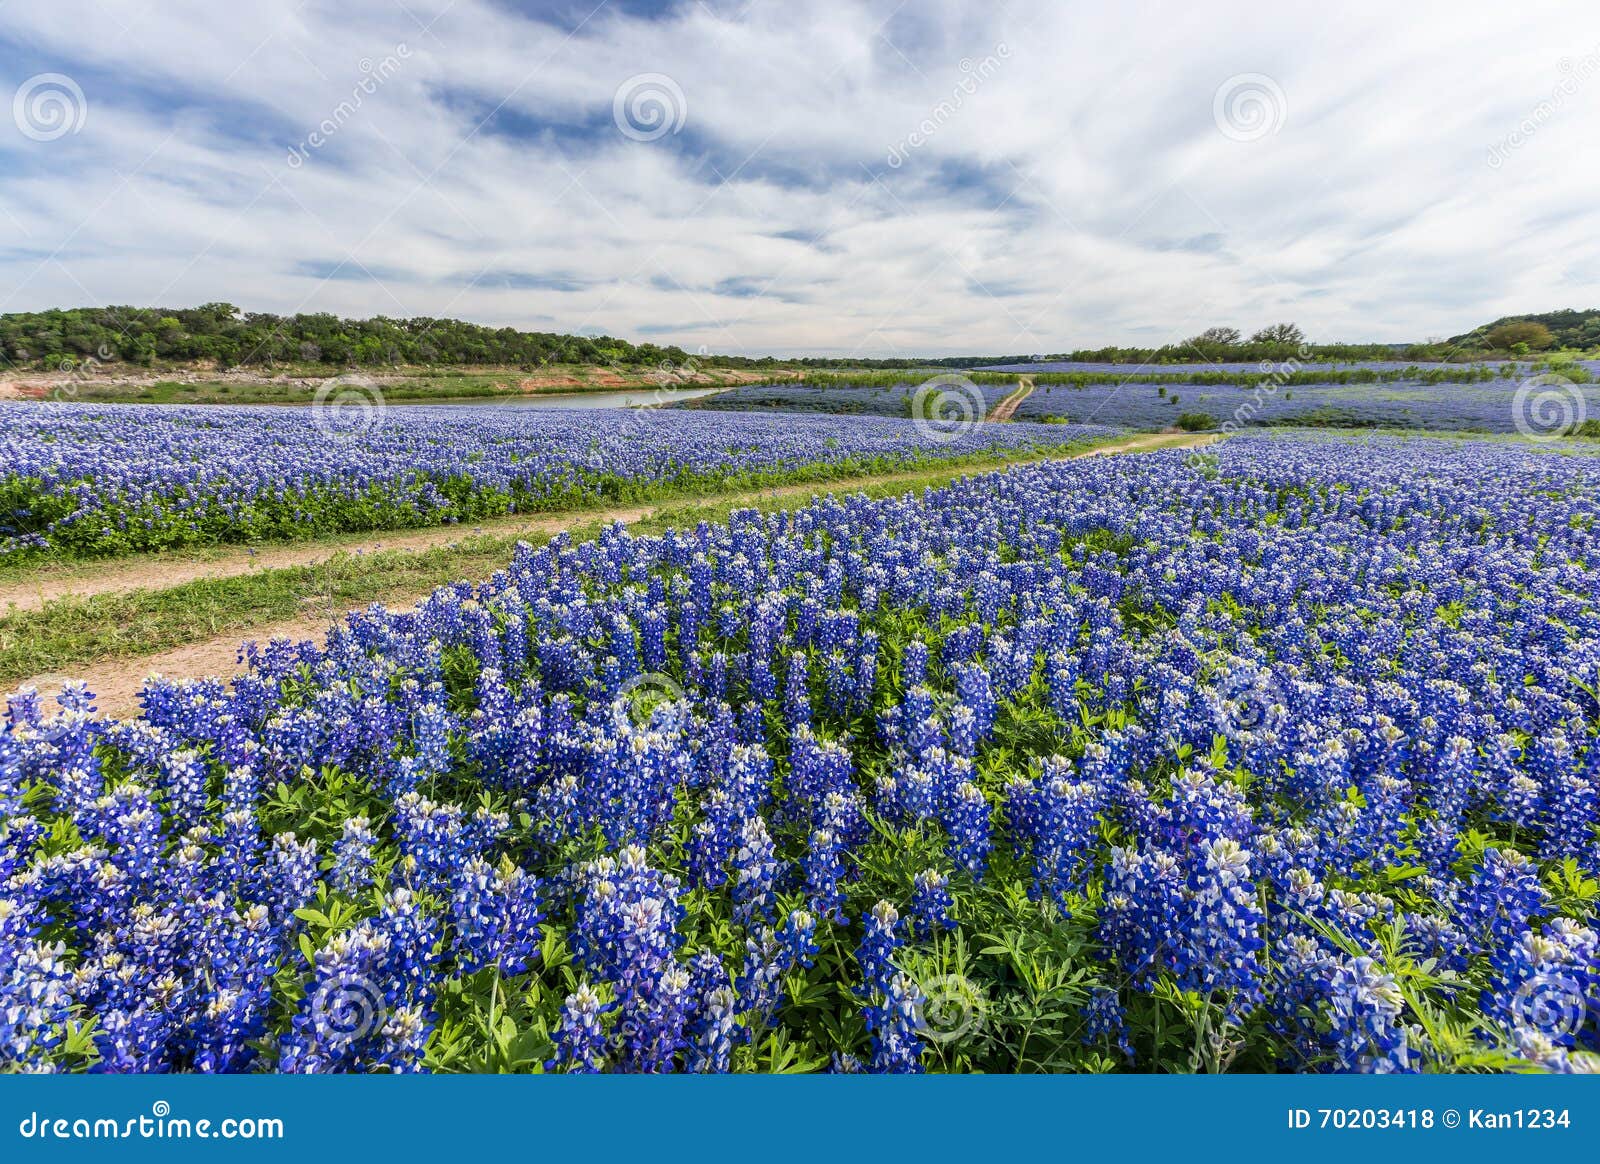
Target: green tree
x,y
1508,335
1280,333
1215,337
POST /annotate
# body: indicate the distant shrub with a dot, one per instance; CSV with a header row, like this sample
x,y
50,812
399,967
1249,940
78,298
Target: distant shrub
x,y
1196,422
1508,336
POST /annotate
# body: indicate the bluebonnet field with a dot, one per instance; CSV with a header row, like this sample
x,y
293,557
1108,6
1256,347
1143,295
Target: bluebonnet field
x,y
1488,407
1279,757
1509,369
86,480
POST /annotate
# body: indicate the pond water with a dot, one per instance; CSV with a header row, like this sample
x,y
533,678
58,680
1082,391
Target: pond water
x,y
625,398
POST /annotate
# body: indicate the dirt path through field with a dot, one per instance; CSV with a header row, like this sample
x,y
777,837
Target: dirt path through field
x,y
117,681
1007,408
156,572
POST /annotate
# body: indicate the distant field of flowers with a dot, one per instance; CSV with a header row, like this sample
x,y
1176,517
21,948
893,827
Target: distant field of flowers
x,y
1507,368
1277,757
1491,406
87,480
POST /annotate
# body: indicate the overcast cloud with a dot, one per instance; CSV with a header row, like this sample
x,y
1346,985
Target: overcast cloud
x,y
831,177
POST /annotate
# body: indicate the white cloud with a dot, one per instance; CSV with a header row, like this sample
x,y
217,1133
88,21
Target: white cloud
x,y
1080,193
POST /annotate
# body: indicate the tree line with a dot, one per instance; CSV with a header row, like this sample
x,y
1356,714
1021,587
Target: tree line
x,y
222,334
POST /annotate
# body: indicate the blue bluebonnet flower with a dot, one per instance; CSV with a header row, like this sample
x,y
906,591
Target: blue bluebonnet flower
x,y
1365,1006
755,869
931,903
1106,1021
352,856
879,941
713,1027
496,915
581,1043
893,1015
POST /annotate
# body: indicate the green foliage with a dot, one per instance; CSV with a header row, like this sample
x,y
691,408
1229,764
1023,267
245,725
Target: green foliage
x,y
1286,334
1520,336
1196,421
1568,329
223,335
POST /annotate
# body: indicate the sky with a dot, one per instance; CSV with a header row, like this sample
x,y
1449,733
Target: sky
x,y
778,177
